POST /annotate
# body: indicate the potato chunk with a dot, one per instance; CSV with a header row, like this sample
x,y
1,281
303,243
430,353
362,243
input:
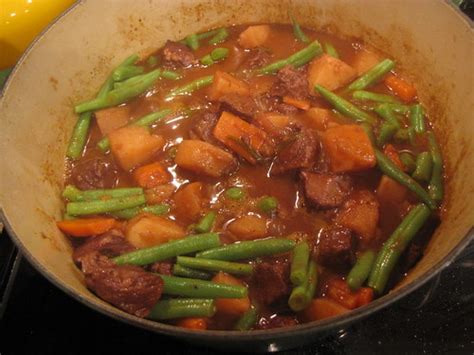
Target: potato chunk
x,y
204,158
147,230
329,72
134,145
364,60
190,201
248,227
225,84
348,148
254,36
112,118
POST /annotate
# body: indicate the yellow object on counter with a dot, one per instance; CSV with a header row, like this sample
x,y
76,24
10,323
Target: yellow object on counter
x,y
21,21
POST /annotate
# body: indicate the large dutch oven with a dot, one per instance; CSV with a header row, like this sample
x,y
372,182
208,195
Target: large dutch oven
x,y
431,40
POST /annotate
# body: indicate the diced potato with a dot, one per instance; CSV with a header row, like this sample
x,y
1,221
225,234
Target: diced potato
x,y
321,308
348,148
134,145
190,201
254,36
204,158
390,191
330,72
248,227
110,119
360,214
159,194
224,84
321,118
147,230
365,60
231,306
272,123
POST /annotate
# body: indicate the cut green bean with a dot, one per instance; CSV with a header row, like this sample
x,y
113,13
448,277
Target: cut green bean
x,y
296,60
219,54
129,213
403,135
122,94
170,75
206,60
395,245
247,320
152,61
182,308
369,131
104,206
191,87
299,264
391,170
302,295
298,32
435,187
215,265
192,41
235,193
127,72
408,162
330,50
386,112
345,107
206,223
361,270
109,82
179,270
424,167
372,96
187,245
79,136
184,287
73,194
219,37
387,131
249,249
267,204
417,118
373,75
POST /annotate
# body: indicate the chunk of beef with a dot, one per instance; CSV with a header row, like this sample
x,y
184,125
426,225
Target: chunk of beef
x,y
294,81
286,109
335,247
162,267
257,58
127,287
272,280
177,55
110,244
239,104
203,127
95,173
276,322
299,152
326,190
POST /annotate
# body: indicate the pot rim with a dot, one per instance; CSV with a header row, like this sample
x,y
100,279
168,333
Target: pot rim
x,y
210,335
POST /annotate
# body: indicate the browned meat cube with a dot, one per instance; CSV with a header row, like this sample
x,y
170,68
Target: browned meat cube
x,y
326,190
276,322
294,81
95,173
335,247
239,104
177,55
271,280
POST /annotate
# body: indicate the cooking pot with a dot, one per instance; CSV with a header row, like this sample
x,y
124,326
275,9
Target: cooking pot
x,y
431,41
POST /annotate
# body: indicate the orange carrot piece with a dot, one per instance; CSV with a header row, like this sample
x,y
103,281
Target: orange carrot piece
x,y
86,227
231,306
243,138
340,292
365,295
193,323
302,104
404,90
151,175
392,152
321,308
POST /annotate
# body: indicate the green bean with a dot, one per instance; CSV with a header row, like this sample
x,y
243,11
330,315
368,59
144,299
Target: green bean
x,y
179,270
345,107
386,112
145,121
219,54
109,82
369,131
73,194
129,213
392,249
248,250
247,320
121,94
206,60
103,206
182,308
312,281
127,72
184,287
399,108
298,32
387,131
206,223
403,134
170,75
187,245
79,136
435,186
235,193
267,204
296,60
361,270
417,118
372,75
424,167
215,265
391,170
152,61
372,96
219,37
192,41
299,264
192,86
330,50
302,295
408,162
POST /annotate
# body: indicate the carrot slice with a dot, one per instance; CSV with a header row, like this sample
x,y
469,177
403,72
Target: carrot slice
x,y
400,87
193,323
301,104
151,175
340,292
86,227
231,306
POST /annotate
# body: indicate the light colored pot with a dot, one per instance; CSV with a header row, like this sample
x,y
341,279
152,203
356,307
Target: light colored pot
x,y
430,39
